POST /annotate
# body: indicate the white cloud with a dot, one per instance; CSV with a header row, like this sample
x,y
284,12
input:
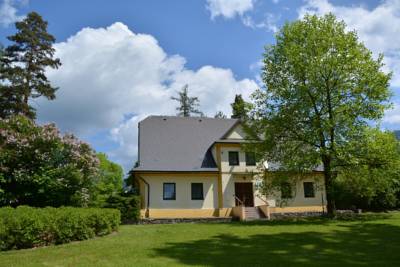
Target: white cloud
x,y
269,23
109,74
232,8
8,11
229,8
378,28
392,117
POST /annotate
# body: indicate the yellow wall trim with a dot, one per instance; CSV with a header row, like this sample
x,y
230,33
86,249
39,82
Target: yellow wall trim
x,y
185,173
225,212
220,193
297,209
181,213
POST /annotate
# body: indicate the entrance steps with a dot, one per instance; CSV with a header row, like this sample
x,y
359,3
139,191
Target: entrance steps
x,y
253,213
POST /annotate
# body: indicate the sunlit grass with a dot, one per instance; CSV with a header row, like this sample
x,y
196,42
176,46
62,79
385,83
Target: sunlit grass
x,y
373,240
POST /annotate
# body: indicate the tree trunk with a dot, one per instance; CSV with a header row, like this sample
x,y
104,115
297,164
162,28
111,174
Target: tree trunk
x,y
329,187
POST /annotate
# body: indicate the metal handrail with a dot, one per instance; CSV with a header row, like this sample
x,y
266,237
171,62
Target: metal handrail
x,y
263,200
238,199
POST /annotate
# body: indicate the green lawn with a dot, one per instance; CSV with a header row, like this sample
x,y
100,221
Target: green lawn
x,y
373,240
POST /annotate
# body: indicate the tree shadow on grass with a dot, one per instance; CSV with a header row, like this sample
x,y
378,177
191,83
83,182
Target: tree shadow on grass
x,y
360,244
319,220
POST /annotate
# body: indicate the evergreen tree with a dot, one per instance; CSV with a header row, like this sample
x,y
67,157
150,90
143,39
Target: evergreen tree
x,y
188,105
220,115
24,63
239,108
8,99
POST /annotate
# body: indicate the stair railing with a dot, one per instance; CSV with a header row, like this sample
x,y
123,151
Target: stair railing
x,y
238,200
263,200
242,208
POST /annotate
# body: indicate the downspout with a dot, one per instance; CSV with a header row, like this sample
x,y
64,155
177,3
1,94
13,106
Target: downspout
x,y
148,197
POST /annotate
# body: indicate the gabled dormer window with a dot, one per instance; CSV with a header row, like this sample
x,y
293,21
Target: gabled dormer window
x,y
233,158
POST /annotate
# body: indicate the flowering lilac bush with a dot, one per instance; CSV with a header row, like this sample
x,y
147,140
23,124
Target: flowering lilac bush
x,y
41,167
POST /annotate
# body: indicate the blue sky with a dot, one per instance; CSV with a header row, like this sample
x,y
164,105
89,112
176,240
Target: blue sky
x,y
122,60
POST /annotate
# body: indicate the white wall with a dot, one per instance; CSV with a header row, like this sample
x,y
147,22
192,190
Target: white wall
x,y
228,185
183,192
242,161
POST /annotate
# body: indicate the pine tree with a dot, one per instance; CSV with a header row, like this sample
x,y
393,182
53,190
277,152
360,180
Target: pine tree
x,y
188,105
220,115
239,108
7,98
24,63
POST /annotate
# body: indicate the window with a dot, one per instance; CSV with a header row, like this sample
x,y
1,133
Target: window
x,y
250,159
169,192
197,191
308,189
286,190
233,158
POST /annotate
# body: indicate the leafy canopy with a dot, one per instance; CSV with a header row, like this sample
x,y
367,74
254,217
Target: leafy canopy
x,y
373,180
322,87
110,176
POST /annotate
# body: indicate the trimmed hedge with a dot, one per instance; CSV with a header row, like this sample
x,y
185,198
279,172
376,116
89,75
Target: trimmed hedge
x,y
27,227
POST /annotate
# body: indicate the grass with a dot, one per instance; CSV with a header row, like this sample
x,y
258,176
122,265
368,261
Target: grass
x,y
371,240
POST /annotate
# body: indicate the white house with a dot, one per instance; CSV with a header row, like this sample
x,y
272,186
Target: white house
x,y
191,167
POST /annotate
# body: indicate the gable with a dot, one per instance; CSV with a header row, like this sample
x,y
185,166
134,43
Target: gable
x,y
236,133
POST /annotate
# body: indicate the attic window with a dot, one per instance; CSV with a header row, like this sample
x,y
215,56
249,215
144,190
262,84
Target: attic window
x,y
200,120
164,119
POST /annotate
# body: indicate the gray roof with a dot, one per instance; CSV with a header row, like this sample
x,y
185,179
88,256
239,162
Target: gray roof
x,y
169,143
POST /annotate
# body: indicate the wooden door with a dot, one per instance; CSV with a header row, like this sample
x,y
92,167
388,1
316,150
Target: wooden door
x,y
244,192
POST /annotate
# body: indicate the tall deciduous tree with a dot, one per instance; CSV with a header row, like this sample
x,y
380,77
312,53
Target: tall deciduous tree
x,y
322,87
188,105
25,61
109,180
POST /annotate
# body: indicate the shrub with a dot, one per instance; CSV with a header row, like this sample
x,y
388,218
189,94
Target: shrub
x,y
27,227
129,206
41,167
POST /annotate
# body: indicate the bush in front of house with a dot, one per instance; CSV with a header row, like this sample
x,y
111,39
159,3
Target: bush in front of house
x,y
128,205
27,227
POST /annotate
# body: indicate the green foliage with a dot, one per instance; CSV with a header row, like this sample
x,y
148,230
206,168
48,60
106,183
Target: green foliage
x,y
322,87
240,108
109,180
41,167
188,105
27,227
373,181
128,205
25,62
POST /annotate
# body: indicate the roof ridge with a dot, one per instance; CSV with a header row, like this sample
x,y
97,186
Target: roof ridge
x,y
194,118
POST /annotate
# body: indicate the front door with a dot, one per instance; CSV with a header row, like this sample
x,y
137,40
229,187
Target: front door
x,y
244,192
